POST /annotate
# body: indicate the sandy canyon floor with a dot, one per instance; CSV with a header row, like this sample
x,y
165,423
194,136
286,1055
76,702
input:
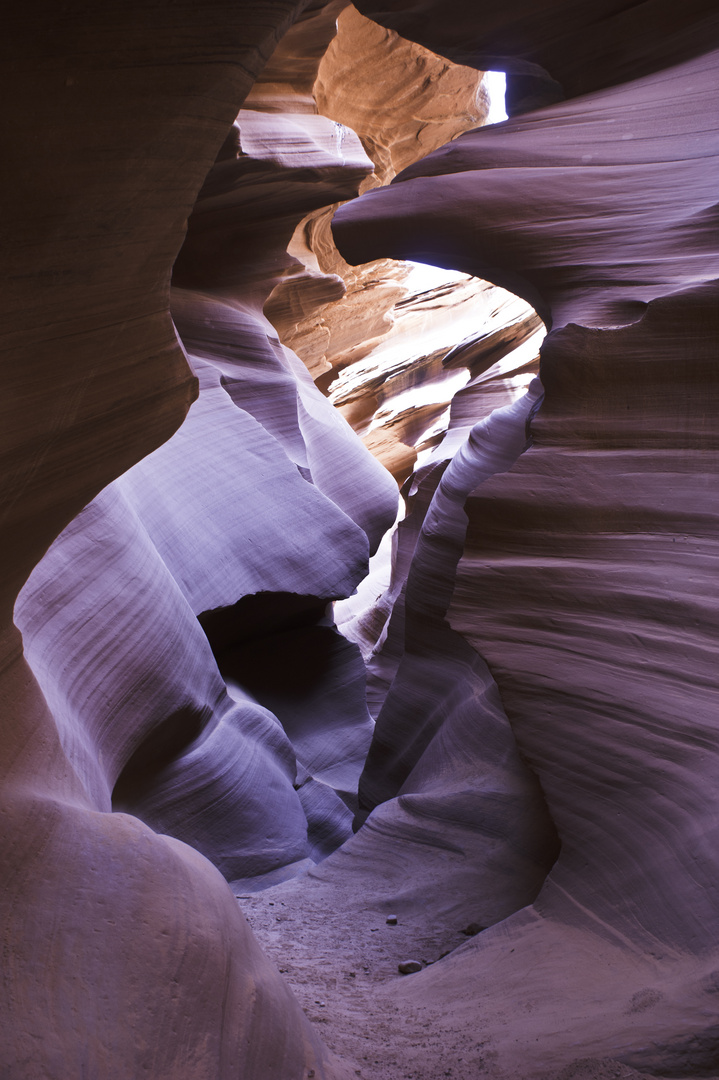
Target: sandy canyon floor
x,y
342,964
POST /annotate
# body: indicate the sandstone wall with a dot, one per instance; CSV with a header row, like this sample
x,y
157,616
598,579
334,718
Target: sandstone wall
x,y
542,665
581,577
125,950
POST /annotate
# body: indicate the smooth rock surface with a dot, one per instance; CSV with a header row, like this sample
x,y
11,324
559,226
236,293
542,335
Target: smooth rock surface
x,y
126,951
556,50
587,209
543,660
582,582
623,672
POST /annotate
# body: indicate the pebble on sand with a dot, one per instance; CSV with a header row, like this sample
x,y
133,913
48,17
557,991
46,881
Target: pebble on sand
x,y
408,967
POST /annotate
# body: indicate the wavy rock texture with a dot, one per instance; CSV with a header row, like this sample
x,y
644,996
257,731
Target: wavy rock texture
x,y
633,556
396,119
375,617
590,557
217,523
460,834
262,471
285,84
361,329
601,175
543,663
442,743
552,51
582,577
125,949
399,397
160,546
403,102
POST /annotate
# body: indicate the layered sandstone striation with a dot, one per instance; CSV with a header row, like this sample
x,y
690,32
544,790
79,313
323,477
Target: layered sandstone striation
x,y
583,565
542,661
447,344
590,558
624,728
562,191
373,339
402,101
126,950
553,52
263,462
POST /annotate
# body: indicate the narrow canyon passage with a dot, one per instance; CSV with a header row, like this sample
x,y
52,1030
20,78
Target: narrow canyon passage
x,y
359,668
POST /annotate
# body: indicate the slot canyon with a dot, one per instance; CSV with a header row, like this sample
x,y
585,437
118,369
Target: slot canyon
x,y
360,537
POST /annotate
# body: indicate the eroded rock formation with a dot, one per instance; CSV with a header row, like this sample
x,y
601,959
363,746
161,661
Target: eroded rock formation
x,y
573,583
125,950
542,662
402,101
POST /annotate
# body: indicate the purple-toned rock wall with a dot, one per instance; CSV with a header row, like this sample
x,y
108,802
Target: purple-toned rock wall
x,y
182,505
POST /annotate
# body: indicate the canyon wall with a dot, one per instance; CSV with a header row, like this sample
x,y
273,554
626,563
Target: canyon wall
x,y
183,504
581,581
125,949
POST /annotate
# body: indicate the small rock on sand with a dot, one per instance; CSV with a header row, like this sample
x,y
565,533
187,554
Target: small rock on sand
x,y
408,967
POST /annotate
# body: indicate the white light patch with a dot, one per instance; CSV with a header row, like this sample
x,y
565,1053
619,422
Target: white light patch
x,y
440,389
496,85
423,277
